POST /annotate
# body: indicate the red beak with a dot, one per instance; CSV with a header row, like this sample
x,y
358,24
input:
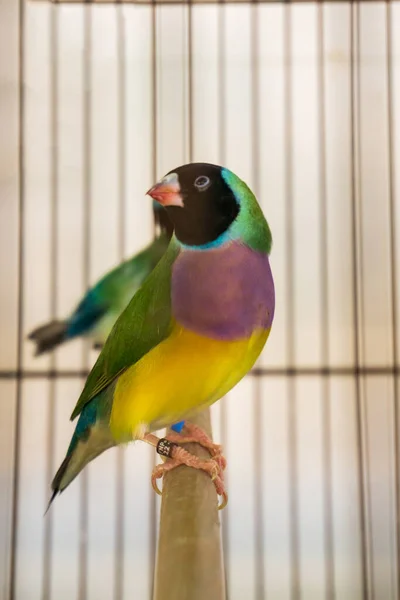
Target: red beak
x,y
166,193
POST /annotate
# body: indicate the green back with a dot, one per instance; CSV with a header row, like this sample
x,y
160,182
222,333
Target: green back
x,y
144,323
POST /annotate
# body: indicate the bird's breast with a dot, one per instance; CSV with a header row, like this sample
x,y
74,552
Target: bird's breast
x,y
224,293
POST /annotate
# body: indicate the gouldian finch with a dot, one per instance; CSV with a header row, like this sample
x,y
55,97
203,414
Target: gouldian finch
x,y
98,310
191,332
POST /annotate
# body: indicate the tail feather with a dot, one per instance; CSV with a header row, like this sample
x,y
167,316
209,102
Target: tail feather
x,y
54,494
94,442
55,486
49,336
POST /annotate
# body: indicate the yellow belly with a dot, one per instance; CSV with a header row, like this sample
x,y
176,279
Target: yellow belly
x,y
185,373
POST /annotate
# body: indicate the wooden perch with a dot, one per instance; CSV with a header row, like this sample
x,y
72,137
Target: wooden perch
x,y
189,558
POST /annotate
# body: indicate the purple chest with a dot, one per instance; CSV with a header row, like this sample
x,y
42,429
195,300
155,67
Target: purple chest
x,y
224,293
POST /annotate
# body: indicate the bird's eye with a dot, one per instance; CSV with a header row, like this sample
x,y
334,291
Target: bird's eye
x,y
202,183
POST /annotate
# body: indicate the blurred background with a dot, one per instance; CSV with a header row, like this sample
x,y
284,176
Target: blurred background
x,y
302,101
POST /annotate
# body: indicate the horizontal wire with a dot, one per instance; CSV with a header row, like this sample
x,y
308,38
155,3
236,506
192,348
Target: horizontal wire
x,y
257,372
209,2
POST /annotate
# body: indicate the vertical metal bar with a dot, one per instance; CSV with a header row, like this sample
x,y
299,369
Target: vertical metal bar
x,y
87,201
326,398
222,81
121,83
154,163
257,415
291,387
354,83
21,289
154,84
393,277
222,154
363,424
120,486
190,79
54,144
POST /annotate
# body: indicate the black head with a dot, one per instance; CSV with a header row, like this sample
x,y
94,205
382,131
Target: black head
x,y
199,202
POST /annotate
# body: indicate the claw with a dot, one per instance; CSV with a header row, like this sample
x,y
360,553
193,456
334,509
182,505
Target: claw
x,y
224,501
174,455
155,486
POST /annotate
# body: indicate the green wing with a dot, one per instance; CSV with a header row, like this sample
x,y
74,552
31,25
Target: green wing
x,y
144,323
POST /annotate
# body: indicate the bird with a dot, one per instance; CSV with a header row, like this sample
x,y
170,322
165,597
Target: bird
x,y
190,333
96,313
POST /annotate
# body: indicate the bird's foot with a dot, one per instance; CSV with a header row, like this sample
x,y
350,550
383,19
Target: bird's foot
x,y
192,433
177,456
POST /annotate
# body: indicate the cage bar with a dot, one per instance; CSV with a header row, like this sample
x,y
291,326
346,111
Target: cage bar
x,y
205,2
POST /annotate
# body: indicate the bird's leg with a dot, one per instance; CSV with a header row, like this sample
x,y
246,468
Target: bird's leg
x,y
179,456
192,433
